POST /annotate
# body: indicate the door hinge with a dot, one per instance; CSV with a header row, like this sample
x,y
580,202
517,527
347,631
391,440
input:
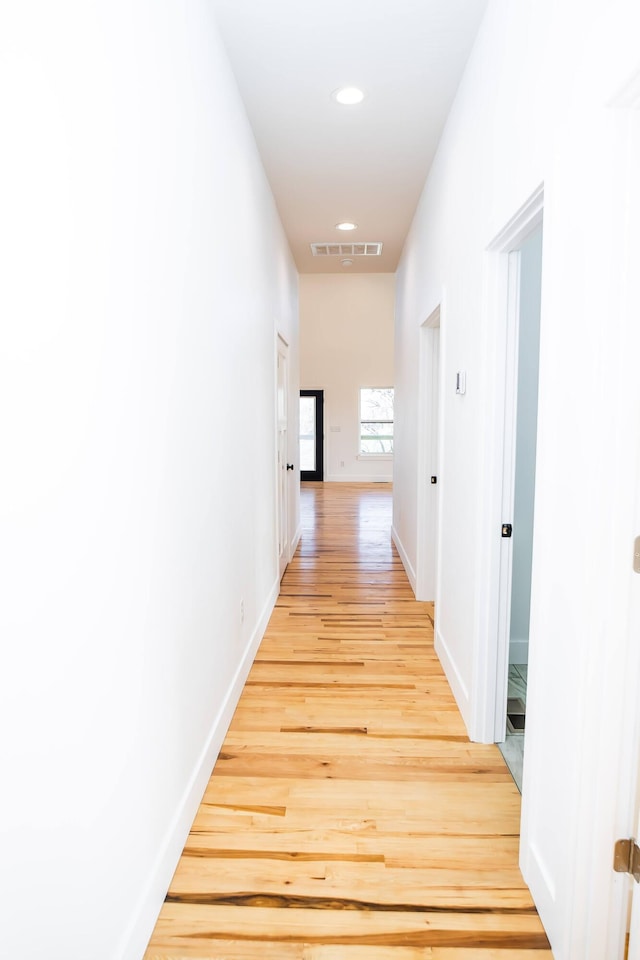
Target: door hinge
x,y
626,858
507,530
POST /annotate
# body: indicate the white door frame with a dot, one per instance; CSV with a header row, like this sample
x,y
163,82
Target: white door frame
x,y
500,389
429,447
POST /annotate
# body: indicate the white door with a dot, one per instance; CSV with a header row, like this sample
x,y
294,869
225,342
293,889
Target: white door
x,y
434,475
283,465
429,469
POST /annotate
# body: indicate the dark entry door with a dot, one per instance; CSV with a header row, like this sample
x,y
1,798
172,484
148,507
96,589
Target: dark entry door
x,y
311,435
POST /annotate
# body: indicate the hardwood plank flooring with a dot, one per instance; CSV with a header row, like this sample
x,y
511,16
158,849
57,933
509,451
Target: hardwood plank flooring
x,y
348,816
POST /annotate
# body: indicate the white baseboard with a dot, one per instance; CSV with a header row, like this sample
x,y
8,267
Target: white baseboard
x,y
136,938
457,684
406,563
518,650
296,540
357,478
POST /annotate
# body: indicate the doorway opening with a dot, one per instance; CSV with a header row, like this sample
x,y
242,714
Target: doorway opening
x,y
506,515
311,434
518,492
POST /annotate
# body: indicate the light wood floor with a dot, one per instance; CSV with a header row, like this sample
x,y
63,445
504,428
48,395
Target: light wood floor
x,y
348,817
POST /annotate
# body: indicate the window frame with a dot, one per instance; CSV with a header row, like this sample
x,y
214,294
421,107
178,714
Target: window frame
x,y
363,455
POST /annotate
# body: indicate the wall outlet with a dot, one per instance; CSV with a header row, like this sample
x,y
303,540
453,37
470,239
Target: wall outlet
x,y
242,611
342,463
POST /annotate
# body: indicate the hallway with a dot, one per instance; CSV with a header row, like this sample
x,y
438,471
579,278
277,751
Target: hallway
x,y
348,817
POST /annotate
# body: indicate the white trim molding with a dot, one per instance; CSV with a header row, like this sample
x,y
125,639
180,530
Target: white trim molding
x,y
406,563
358,478
457,684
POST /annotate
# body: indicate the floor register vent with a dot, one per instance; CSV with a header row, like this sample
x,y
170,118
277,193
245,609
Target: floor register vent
x,y
346,249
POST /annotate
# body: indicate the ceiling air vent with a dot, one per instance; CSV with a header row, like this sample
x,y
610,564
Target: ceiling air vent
x,y
346,249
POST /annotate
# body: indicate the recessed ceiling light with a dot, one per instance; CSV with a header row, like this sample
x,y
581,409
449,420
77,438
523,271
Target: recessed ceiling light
x,y
347,263
348,96
346,225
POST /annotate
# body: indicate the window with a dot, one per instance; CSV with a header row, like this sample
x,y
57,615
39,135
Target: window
x,y
376,421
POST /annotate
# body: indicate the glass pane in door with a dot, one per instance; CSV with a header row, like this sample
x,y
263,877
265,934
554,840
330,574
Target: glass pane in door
x,y
307,433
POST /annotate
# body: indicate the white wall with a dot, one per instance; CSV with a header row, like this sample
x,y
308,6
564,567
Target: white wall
x,y
346,342
144,274
538,104
489,161
526,430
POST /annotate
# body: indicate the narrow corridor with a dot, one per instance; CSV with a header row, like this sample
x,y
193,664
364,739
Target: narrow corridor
x,y
348,817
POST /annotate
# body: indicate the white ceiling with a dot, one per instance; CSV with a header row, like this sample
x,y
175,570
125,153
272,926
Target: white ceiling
x,y
367,163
